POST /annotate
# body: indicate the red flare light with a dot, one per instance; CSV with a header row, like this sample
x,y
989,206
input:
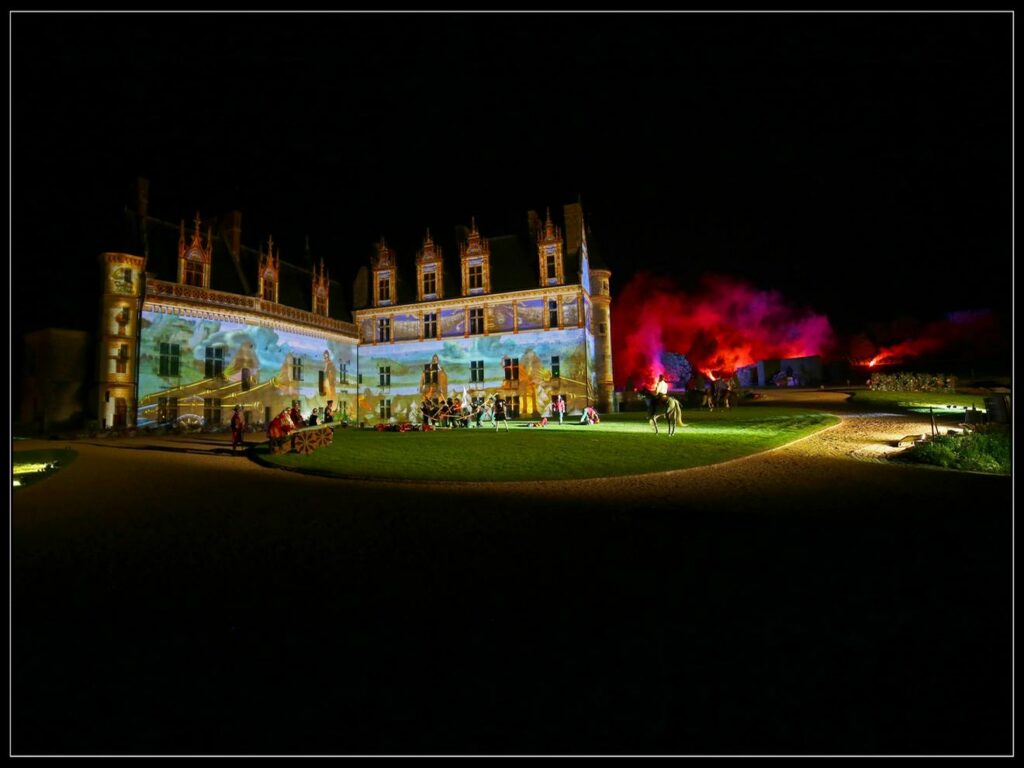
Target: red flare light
x,y
976,328
723,326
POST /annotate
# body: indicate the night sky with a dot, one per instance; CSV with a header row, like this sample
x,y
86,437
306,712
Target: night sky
x,y
858,163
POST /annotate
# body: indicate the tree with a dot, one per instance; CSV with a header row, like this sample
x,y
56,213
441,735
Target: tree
x,y
677,369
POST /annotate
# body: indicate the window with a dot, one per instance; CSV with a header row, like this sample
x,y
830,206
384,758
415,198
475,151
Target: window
x,y
556,367
476,371
604,286
430,325
211,411
551,266
601,329
247,381
193,273
476,320
214,361
385,376
430,373
383,289
170,359
384,329
552,313
268,290
322,384
429,283
122,359
385,409
297,369
476,277
511,366
343,370
167,409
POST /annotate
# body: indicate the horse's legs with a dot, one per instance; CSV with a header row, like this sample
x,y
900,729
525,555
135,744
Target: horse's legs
x,y
654,423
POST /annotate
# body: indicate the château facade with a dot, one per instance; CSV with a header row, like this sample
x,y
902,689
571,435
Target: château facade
x,y
226,330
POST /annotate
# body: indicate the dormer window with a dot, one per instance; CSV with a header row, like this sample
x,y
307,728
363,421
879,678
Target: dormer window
x,y
320,302
321,290
475,255
194,257
269,274
429,267
549,252
193,270
476,277
383,265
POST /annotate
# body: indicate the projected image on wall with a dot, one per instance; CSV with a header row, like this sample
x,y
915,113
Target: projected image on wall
x,y
528,369
196,371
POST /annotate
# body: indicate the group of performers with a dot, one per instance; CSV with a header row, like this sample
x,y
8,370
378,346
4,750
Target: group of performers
x,y
290,419
455,412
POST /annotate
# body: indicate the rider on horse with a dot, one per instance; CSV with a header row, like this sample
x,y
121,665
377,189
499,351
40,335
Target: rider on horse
x,y
660,396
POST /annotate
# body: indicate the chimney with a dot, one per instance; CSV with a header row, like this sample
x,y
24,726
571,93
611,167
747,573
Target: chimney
x,y
142,211
534,223
573,227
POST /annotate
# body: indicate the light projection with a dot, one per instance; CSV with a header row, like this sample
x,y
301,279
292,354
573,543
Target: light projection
x,y
197,370
528,368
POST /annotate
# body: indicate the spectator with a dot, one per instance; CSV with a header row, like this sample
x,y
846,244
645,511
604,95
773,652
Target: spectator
x,y
237,429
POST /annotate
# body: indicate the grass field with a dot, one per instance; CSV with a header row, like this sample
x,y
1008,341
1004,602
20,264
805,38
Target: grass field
x,y
937,400
622,444
26,465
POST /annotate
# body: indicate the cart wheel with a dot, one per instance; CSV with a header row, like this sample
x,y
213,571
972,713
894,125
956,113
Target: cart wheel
x,y
316,440
328,436
303,444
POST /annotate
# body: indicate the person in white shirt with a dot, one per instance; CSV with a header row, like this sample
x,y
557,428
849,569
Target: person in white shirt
x,y
660,395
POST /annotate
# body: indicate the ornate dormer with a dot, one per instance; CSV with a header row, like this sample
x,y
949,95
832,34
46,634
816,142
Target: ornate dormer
x,y
429,271
270,272
194,258
475,255
321,290
549,252
383,266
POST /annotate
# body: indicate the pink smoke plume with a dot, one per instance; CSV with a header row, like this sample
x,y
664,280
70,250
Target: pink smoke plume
x,y
978,328
725,325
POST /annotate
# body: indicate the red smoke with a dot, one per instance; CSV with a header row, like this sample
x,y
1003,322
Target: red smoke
x,y
977,328
725,325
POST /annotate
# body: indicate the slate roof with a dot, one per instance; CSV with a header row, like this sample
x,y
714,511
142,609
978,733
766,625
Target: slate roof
x,y
514,264
295,286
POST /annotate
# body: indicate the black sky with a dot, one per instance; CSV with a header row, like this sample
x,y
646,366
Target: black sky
x,y
860,163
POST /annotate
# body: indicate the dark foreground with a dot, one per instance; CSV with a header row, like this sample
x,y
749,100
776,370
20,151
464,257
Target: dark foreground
x,y
210,607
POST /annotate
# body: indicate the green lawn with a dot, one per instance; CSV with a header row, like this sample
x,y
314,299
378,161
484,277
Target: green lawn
x,y
622,444
56,458
937,400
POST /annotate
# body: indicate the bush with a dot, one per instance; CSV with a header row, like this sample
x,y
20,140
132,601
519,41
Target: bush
x,y
987,449
912,382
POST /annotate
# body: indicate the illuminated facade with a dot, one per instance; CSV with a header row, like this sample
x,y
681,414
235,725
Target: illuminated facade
x,y
189,351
